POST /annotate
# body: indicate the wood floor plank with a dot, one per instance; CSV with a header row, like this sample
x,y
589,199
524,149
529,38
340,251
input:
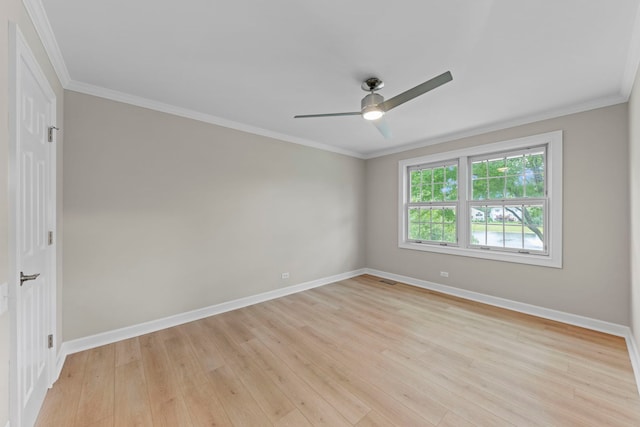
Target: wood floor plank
x,y
266,393
98,387
317,410
127,351
240,406
61,403
354,353
132,405
293,419
204,407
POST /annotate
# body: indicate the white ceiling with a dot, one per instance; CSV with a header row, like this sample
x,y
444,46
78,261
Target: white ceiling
x,y
254,64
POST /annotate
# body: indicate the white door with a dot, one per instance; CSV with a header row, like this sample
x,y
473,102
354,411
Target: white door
x,y
34,211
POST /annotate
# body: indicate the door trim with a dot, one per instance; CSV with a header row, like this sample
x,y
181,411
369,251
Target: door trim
x,y
20,55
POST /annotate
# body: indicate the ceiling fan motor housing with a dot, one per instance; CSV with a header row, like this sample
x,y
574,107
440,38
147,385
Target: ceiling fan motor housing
x,y
370,106
371,100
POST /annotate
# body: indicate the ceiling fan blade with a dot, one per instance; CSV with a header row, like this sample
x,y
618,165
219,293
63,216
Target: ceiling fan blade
x,y
383,126
417,91
305,116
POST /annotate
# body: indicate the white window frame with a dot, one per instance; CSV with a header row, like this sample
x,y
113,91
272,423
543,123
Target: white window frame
x,y
553,175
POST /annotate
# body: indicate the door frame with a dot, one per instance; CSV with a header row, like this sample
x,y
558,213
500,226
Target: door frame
x,y
21,55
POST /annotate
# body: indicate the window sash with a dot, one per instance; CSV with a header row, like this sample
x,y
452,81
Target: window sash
x,y
505,224
485,157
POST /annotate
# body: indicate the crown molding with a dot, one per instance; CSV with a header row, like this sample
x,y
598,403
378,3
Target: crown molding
x,y
551,114
151,104
633,59
38,16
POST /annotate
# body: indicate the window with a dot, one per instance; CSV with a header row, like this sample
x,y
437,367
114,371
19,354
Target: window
x,y
501,201
433,202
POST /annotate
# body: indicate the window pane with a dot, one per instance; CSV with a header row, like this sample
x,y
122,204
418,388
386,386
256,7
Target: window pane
x,y
515,187
513,236
496,188
534,163
436,233
479,234
496,167
478,214
535,185
479,189
427,195
415,186
436,215
514,165
451,183
426,176
450,233
449,215
438,193
438,175
534,227
451,175
479,169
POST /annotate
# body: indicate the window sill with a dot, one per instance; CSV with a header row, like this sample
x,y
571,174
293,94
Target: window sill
x,y
539,260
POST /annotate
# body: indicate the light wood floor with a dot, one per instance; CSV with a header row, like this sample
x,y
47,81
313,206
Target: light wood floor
x,y
357,352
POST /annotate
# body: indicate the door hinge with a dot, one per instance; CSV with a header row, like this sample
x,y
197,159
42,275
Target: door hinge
x,y
50,134
50,341
50,238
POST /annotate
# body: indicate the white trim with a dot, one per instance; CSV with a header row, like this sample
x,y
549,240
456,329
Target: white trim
x,y
507,124
633,58
634,355
60,359
151,104
520,307
38,16
554,190
109,337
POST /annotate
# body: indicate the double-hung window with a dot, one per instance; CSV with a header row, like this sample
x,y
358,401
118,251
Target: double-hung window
x,y
500,201
433,203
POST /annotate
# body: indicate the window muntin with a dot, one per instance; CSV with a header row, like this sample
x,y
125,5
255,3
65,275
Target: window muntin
x,y
433,199
512,189
531,190
509,227
511,175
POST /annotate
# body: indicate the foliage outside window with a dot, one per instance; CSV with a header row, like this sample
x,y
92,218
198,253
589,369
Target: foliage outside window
x,y
433,202
508,201
500,201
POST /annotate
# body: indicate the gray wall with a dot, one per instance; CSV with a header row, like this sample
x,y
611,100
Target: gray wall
x,y
594,281
165,214
634,156
13,11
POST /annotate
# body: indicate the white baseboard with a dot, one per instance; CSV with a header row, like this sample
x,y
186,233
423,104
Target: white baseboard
x,y
80,344
74,346
634,355
545,313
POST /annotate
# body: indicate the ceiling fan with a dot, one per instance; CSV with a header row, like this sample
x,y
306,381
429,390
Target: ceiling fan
x,y
373,105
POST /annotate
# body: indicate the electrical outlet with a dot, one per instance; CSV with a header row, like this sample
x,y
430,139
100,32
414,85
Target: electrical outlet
x,y
444,273
285,275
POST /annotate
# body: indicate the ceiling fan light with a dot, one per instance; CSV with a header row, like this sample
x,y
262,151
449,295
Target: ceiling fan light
x,y
372,113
